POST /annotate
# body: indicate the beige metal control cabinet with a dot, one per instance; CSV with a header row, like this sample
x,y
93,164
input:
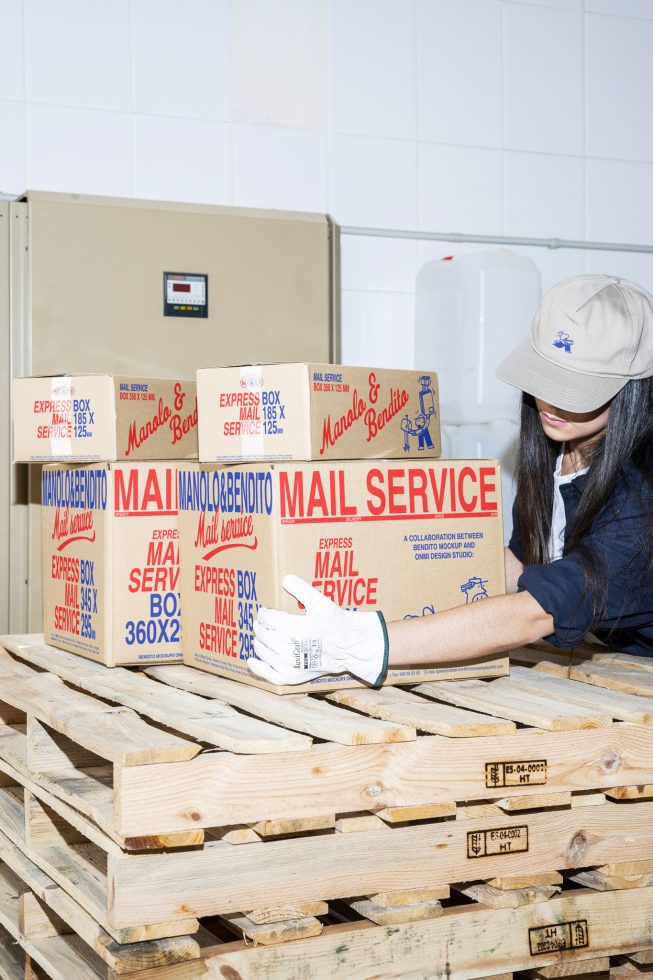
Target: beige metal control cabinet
x,y
82,290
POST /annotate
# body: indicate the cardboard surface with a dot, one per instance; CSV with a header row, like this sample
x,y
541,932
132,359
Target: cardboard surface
x,y
111,561
96,417
315,412
407,537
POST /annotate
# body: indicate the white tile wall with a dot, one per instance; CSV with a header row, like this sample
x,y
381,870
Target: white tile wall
x,y
287,166
279,57
562,4
182,159
373,182
77,53
84,151
556,264
621,8
12,82
461,189
12,156
379,322
544,195
379,263
373,68
543,79
460,58
181,58
620,201
616,124
517,117
635,266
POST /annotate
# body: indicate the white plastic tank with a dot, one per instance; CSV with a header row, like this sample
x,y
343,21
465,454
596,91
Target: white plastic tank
x,y
470,313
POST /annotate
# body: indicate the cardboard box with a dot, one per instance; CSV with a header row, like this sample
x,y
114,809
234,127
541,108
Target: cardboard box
x,y
409,538
111,561
91,417
316,411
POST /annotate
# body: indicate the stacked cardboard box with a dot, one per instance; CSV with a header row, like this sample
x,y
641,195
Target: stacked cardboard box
x,y
109,497
334,476
328,472
224,831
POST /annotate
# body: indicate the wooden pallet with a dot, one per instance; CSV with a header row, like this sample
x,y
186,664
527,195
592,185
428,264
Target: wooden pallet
x,y
293,864
579,931
230,754
309,890
251,824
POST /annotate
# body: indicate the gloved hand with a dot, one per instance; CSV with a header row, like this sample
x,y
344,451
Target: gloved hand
x,y
293,649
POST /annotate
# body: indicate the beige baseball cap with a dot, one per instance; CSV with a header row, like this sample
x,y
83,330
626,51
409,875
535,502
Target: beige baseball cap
x,y
590,336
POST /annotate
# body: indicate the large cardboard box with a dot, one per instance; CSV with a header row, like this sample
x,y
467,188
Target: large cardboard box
x,y
101,417
316,411
409,538
111,561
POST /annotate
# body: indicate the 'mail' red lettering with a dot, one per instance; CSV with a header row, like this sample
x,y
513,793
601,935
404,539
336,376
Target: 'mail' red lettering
x,y
144,491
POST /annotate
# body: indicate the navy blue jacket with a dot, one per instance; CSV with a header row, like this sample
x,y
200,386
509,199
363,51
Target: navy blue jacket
x,y
618,546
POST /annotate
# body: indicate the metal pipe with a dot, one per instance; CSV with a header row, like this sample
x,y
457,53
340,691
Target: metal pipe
x,y
436,236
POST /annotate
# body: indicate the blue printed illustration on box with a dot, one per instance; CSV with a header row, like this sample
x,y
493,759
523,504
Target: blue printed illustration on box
x,y
418,426
426,611
474,589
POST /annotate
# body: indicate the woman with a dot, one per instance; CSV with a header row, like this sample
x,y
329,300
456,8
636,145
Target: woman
x,y
581,554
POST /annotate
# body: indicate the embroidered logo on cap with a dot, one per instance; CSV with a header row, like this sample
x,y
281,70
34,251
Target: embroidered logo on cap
x,y
563,341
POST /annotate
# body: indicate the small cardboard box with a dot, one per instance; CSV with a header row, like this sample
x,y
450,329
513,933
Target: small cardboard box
x,y
111,561
316,411
409,538
91,417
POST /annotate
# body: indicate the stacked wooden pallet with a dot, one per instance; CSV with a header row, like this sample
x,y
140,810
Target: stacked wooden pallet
x,y
179,825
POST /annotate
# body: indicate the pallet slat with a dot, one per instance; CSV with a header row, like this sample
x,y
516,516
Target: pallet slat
x,y
396,704
38,896
217,789
117,734
84,799
78,868
302,712
213,722
628,680
274,933
391,915
505,700
624,660
336,865
625,707
592,878
509,898
538,801
465,943
592,967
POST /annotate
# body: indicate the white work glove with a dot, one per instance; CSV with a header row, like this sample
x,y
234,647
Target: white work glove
x,y
293,649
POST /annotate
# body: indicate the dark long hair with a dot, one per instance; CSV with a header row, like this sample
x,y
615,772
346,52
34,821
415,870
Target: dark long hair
x,y
628,437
